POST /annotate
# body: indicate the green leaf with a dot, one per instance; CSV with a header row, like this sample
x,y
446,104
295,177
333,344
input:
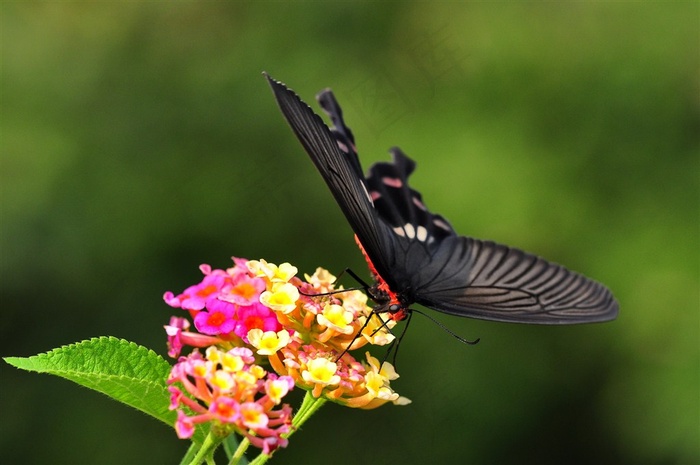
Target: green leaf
x,y
124,371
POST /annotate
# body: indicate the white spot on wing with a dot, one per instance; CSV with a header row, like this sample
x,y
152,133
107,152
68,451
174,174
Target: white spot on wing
x,y
343,147
421,233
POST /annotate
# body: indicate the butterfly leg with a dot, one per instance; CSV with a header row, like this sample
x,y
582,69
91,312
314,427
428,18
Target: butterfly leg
x,y
397,342
354,275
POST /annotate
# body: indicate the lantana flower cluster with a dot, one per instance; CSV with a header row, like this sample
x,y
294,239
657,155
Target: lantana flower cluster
x,y
257,314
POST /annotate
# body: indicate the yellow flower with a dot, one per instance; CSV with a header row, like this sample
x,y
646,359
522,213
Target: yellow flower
x,y
374,333
377,384
282,298
322,280
321,371
245,379
284,272
202,369
268,342
402,401
337,318
222,380
356,302
272,272
276,389
257,371
231,362
374,383
385,370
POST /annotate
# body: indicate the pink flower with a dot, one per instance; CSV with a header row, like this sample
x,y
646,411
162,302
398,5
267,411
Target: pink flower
x,y
226,409
184,427
256,316
240,266
276,388
253,415
243,290
174,332
217,319
196,297
175,397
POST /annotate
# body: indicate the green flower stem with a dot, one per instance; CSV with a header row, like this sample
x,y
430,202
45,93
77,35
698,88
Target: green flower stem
x,y
206,452
240,451
309,406
191,452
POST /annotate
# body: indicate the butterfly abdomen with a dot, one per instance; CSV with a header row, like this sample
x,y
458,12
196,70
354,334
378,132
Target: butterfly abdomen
x,y
387,300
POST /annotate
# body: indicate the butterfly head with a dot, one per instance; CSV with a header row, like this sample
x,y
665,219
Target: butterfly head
x,y
387,302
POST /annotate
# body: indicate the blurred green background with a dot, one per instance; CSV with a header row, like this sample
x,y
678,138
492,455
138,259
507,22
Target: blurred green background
x,y
139,140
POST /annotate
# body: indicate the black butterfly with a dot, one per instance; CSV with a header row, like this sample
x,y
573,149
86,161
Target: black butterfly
x,y
416,256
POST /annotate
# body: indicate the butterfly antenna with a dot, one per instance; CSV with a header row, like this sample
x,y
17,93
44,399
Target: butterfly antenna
x,y
363,285
447,330
337,291
355,277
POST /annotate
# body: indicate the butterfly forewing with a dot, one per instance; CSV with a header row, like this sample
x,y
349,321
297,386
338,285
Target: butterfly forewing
x,y
340,173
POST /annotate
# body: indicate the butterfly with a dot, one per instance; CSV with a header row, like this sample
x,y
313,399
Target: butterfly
x,y
415,255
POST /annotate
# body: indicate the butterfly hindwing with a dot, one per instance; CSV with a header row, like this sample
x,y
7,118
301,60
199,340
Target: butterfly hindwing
x,y
486,280
399,205
342,134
